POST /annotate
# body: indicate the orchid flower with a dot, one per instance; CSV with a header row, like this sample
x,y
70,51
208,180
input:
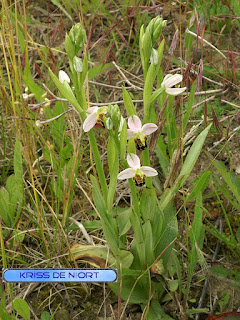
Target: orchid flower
x,y
136,172
139,132
95,115
171,80
63,77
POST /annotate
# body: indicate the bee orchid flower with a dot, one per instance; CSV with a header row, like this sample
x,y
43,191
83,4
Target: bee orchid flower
x,y
95,116
171,80
136,172
139,132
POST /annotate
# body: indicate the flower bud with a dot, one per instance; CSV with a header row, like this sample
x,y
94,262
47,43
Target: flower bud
x,y
109,124
78,37
63,77
159,23
154,57
69,47
77,64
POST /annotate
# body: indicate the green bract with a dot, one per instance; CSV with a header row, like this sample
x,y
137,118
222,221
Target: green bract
x,y
75,41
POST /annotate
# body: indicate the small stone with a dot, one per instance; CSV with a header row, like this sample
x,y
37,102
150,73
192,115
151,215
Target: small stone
x,y
238,169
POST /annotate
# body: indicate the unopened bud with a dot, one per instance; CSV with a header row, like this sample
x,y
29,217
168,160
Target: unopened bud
x,y
77,64
78,37
154,56
63,77
109,124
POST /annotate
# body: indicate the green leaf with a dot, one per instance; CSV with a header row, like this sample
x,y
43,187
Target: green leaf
x,y
148,241
100,68
108,222
147,45
58,4
126,258
200,186
156,312
172,285
187,167
69,47
22,308
111,154
19,237
18,172
84,73
156,94
123,221
66,92
131,146
138,295
13,191
196,237
160,56
128,103
169,232
148,204
227,178
123,140
139,238
113,182
189,105
45,315
4,207
89,225
97,196
147,92
238,234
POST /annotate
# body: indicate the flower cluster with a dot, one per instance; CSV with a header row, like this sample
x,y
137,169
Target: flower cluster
x,y
98,116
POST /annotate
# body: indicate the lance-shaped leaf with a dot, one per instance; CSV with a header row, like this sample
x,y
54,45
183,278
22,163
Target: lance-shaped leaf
x,y
187,167
66,92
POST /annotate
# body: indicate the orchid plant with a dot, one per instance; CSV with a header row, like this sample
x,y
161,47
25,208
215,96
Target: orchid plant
x,y
151,218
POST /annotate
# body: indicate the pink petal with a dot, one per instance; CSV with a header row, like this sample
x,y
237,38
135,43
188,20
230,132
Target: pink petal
x,y
92,109
148,171
134,123
149,128
130,133
133,161
126,174
175,91
90,122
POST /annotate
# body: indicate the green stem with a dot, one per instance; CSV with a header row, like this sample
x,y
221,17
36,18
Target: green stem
x,y
134,197
98,162
146,162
